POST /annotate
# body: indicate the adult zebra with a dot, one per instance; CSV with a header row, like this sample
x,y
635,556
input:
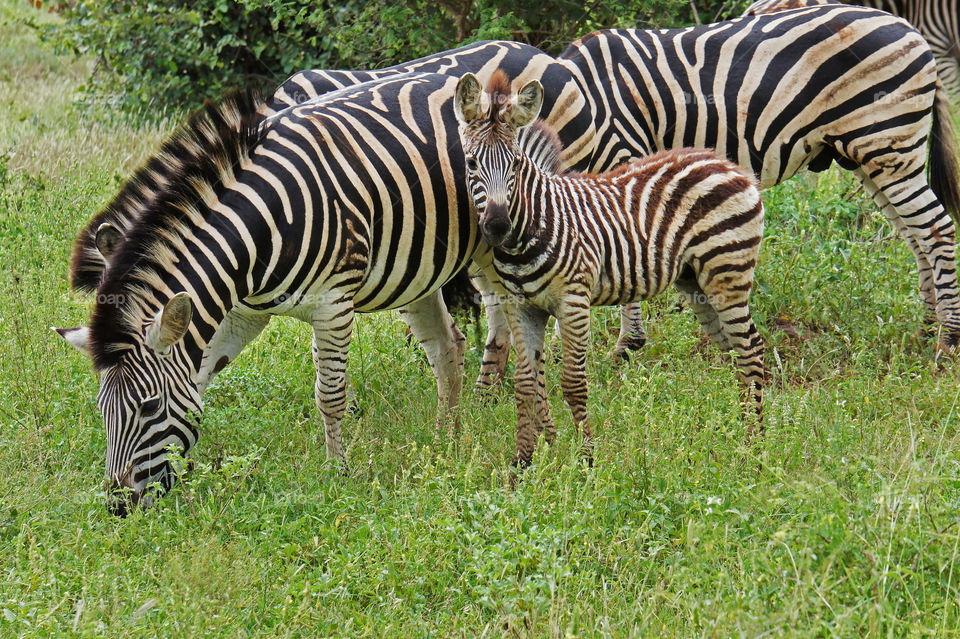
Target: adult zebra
x,y
938,21
346,204
796,89
564,107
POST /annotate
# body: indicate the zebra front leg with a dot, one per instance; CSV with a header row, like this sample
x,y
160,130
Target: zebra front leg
x,y
331,342
445,346
496,352
527,326
574,322
632,335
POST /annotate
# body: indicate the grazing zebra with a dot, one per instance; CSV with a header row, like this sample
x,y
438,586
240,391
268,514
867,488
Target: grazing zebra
x,y
937,20
564,243
347,204
781,92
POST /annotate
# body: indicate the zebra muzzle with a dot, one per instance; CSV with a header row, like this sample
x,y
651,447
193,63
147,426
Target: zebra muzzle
x,y
495,224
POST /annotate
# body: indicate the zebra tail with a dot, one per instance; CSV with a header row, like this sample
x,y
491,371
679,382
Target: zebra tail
x,y
944,172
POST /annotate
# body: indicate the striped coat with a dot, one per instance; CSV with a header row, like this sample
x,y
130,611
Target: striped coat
x,y
342,205
781,92
937,20
564,243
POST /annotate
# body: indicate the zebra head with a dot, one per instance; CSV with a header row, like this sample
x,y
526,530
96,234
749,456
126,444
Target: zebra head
x,y
489,124
148,400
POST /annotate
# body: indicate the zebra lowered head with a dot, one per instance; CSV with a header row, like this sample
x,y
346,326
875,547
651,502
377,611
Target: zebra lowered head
x,y
492,155
149,394
148,400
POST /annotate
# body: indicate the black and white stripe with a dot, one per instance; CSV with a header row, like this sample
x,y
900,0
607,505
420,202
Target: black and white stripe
x,y
350,203
791,90
938,21
563,243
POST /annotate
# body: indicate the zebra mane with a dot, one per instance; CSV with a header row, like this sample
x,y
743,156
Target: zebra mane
x,y
540,143
163,201
185,153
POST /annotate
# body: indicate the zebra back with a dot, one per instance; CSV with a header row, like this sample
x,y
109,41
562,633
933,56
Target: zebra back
x,y
565,107
772,92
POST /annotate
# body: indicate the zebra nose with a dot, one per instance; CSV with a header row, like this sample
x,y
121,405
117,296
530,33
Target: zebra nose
x,y
496,224
122,497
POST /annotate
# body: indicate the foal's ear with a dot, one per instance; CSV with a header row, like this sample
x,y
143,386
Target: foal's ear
x,y
107,240
526,106
466,101
78,337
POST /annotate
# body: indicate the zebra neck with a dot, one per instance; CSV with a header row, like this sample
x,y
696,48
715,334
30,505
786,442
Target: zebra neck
x,y
532,212
215,269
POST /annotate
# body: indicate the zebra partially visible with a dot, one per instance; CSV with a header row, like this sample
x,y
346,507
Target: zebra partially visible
x,y
938,21
348,204
791,90
564,243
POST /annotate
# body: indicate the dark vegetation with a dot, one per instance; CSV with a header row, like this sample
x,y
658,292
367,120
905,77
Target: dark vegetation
x,y
171,53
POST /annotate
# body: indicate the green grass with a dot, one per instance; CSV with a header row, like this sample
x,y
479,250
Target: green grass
x,y
851,528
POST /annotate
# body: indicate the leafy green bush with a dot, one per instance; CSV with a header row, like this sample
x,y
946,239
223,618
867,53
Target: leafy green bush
x,y
173,53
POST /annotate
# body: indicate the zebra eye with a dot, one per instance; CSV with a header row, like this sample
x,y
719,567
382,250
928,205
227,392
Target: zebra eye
x,y
150,407
472,164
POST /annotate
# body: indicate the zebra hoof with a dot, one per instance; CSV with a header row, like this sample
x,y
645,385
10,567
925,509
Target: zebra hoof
x,y
624,346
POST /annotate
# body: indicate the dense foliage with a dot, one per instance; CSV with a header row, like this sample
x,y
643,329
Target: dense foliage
x,y
174,53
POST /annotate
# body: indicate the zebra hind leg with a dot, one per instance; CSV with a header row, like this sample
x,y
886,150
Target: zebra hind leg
x,y
919,216
705,313
331,342
924,270
445,346
737,332
632,337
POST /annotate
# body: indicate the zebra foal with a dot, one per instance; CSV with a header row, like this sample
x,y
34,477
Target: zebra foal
x,y
563,243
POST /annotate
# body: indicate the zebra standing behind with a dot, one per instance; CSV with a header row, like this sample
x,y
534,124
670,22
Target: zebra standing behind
x,y
564,243
938,21
786,91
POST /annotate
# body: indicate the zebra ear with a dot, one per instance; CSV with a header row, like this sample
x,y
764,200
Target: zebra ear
x,y
170,324
526,106
78,337
107,239
466,101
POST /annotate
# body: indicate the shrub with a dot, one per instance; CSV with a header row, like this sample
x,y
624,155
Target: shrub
x,y
171,53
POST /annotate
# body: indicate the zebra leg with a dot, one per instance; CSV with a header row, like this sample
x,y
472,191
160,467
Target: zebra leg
x,y
924,270
927,223
445,346
705,313
728,295
574,322
528,325
331,342
632,336
496,353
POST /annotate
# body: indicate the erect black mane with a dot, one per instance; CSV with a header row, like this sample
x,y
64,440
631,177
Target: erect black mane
x,y
177,157
160,201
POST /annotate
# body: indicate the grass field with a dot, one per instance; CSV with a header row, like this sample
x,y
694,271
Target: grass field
x,y
849,530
